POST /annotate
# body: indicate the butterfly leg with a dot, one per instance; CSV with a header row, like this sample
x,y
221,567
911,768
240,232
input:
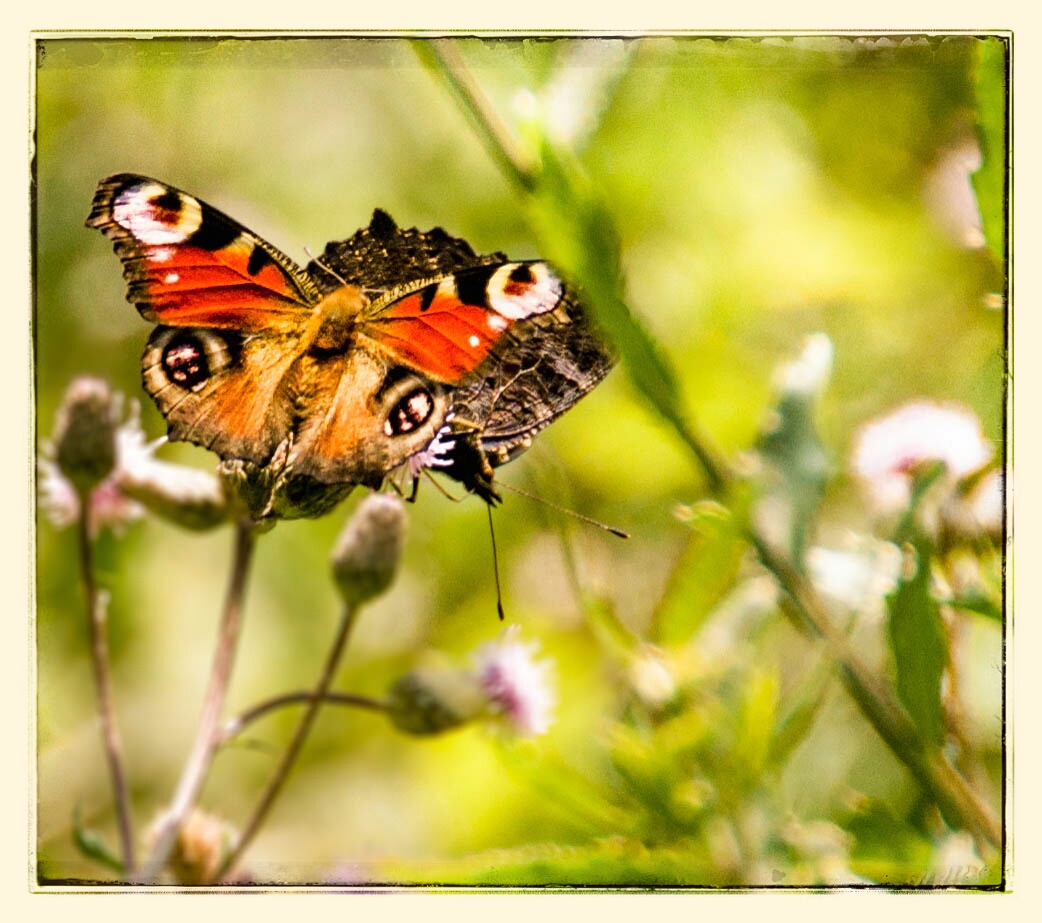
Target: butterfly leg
x,y
470,465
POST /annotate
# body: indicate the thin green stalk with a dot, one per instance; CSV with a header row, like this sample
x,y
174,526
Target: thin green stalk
x,y
282,771
443,56
208,734
873,697
103,686
240,722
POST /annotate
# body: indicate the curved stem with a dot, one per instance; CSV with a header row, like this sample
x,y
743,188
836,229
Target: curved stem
x,y
282,771
238,724
103,684
207,736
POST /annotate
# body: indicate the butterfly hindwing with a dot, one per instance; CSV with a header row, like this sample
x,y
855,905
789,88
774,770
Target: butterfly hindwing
x,y
221,389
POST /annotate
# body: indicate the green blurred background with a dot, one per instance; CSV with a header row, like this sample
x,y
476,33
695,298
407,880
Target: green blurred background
x,y
763,190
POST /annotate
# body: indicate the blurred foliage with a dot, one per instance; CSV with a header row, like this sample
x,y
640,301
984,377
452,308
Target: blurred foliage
x,y
720,200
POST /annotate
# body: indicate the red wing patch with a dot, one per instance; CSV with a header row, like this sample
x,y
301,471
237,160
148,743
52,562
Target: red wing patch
x,y
446,328
187,264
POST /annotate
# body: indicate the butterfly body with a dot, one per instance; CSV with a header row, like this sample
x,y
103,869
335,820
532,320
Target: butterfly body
x,y
399,346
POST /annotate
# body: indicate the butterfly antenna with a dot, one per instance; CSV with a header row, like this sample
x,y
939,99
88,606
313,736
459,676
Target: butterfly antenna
x,y
589,520
495,564
324,266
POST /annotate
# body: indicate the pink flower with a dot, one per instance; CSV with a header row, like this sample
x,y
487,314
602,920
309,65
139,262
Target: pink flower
x,y
890,449
516,685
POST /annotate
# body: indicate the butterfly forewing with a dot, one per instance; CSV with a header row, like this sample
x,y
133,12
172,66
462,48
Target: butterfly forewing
x,y
448,327
187,264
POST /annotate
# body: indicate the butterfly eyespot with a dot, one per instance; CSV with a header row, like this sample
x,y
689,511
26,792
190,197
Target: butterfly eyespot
x,y
185,362
410,412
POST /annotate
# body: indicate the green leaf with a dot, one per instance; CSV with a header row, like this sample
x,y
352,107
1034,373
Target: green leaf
x,y
887,849
796,462
756,720
990,180
608,862
918,642
92,845
578,234
797,722
704,574
973,599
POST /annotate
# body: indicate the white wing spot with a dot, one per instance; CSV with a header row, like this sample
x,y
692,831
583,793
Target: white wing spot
x,y
474,340
497,322
171,277
539,293
136,208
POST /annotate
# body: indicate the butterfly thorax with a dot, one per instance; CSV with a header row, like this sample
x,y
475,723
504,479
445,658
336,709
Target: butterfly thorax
x,y
334,322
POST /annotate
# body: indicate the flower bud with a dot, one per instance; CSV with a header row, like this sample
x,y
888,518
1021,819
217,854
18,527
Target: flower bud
x,y
202,843
367,552
85,433
188,497
433,700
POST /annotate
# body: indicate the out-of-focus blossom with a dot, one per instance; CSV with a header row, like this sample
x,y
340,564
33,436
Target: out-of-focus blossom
x,y
809,372
516,683
651,677
949,195
890,449
571,103
824,850
956,862
857,577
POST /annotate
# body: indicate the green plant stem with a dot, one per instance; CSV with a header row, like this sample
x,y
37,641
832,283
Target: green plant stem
x,y
873,697
443,55
877,703
103,685
239,723
208,733
281,774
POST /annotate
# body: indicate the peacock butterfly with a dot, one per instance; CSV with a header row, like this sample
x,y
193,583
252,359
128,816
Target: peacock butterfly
x,y
396,349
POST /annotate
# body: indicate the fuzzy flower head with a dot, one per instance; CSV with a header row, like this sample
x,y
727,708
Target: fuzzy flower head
x,y
890,450
94,441
517,686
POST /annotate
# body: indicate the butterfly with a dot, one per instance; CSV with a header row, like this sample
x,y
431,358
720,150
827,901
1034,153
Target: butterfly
x,y
395,350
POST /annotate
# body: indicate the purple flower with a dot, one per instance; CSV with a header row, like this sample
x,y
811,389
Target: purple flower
x,y
516,685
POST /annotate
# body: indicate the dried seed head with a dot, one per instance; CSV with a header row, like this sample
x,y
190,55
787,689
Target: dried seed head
x,y
367,552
